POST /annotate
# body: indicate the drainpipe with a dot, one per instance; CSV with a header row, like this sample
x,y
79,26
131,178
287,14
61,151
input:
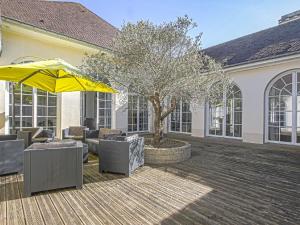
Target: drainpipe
x,y
0,29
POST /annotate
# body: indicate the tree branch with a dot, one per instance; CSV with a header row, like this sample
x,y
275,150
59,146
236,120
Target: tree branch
x,y
171,109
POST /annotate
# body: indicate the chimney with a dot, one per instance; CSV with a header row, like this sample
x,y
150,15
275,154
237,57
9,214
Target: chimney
x,y
290,17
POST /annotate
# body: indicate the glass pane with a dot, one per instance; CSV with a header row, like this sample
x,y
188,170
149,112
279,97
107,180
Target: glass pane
x,y
41,121
27,99
229,130
274,104
286,119
286,103
279,84
52,111
42,100
52,101
41,111
27,110
51,121
298,135
274,92
273,133
285,134
26,89
238,117
288,79
27,122
238,130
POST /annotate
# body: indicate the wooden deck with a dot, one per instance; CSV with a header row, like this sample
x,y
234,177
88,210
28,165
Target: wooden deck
x,y
223,183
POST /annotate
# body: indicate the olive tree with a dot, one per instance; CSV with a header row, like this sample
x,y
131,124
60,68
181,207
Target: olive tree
x,y
160,62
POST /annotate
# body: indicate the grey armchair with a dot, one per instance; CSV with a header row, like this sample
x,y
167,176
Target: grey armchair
x,y
49,166
11,154
123,155
35,135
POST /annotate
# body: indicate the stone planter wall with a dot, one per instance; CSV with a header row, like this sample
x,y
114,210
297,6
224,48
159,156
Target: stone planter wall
x,y
167,155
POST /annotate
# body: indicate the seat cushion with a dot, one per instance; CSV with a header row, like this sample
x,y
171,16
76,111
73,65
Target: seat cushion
x,y
92,140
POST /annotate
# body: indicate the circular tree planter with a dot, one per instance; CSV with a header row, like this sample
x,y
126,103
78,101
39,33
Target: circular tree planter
x,y
166,155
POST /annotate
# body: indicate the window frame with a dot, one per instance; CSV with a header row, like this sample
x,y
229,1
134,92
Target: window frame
x,y
224,111
138,115
294,73
180,118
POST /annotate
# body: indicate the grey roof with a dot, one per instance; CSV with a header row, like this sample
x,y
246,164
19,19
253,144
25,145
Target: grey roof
x,y
65,18
274,42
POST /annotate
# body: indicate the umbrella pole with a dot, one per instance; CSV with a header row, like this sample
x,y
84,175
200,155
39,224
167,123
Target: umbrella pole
x,y
13,112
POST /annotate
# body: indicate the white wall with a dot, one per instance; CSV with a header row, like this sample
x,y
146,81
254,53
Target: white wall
x,y
252,82
19,42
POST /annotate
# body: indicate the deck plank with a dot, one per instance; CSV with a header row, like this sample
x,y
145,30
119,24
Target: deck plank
x,y
32,214
223,183
2,201
15,213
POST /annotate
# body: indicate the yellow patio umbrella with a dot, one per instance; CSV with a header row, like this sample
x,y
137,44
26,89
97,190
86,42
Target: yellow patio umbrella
x,y
53,76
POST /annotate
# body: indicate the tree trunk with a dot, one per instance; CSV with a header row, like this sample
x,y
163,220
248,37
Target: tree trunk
x,y
157,124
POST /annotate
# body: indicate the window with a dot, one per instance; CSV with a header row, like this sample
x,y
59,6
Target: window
x,y
104,110
46,110
181,118
225,114
23,106
283,110
137,113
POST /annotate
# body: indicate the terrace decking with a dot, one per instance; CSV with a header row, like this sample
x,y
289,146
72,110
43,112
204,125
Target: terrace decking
x,y
223,183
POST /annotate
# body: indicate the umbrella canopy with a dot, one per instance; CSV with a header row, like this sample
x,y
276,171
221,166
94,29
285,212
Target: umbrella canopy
x,y
53,76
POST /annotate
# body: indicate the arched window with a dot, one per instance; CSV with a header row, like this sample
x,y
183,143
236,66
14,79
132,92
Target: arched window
x,y
283,108
225,114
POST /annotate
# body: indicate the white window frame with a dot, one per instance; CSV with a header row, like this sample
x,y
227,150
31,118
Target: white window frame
x,y
106,125
138,115
35,91
294,107
34,109
180,123
224,106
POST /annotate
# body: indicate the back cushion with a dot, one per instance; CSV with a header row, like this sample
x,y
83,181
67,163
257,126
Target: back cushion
x,y
76,131
104,132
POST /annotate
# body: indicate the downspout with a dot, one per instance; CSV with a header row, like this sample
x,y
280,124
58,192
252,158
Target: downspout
x,y
0,29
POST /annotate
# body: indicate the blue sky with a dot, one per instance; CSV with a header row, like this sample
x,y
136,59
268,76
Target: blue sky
x,y
219,20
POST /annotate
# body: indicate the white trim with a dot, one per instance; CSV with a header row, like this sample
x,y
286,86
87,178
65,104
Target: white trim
x,y
6,97
262,64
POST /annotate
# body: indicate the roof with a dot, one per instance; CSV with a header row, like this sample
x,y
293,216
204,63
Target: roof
x,y
278,41
70,19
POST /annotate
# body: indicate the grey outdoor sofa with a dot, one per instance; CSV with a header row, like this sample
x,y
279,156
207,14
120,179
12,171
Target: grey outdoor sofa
x,y
92,137
11,154
123,155
49,166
